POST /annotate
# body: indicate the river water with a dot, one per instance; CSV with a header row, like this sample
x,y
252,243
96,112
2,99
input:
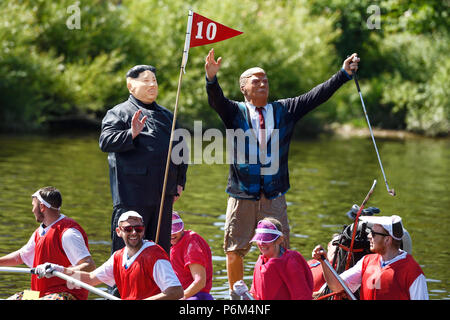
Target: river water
x,y
328,175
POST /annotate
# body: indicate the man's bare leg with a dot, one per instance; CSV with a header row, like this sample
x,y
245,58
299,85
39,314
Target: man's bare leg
x,y
235,271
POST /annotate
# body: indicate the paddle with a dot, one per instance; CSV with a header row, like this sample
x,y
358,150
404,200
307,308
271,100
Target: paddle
x,y
65,277
17,270
335,274
85,286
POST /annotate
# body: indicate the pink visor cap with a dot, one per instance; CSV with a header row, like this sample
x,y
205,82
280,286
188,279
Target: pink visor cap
x,y
266,232
177,223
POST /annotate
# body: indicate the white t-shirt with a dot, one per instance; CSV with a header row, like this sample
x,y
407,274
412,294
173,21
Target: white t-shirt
x,y
163,273
353,277
72,241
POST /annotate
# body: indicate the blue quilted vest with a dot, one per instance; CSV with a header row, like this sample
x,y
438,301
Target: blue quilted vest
x,y
249,176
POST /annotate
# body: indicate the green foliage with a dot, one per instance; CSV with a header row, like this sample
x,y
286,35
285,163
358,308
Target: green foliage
x,y
50,71
416,16
404,67
420,83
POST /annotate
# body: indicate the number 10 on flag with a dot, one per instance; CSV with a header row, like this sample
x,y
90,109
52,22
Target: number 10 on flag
x,y
201,31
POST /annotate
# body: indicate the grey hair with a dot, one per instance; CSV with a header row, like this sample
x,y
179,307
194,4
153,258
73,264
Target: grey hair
x,y
248,73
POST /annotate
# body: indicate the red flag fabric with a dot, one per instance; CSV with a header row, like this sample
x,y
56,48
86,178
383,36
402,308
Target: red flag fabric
x,y
205,31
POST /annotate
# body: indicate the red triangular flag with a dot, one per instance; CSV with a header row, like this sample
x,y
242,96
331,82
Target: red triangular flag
x,y
206,31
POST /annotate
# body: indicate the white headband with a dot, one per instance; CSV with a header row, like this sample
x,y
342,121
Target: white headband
x,y
177,221
45,203
266,230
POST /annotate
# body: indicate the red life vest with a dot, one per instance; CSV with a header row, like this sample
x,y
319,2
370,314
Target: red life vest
x,y
317,273
191,248
285,278
136,282
389,283
49,248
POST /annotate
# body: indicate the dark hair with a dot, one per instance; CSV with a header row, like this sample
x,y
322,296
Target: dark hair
x,y
136,70
52,196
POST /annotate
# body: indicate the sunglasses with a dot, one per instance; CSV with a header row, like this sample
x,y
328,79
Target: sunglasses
x,y
368,230
129,229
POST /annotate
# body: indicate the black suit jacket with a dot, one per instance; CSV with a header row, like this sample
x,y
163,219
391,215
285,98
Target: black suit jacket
x,y
137,166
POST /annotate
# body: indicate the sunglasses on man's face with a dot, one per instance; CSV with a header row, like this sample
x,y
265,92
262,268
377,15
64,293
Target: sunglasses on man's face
x,y
129,229
368,230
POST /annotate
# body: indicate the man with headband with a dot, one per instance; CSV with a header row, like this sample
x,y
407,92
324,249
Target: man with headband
x,y
389,273
59,240
191,259
280,273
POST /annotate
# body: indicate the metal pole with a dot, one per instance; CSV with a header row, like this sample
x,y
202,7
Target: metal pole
x,y
390,191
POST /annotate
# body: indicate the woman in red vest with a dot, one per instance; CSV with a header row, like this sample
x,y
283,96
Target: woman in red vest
x,y
316,267
389,273
279,274
191,260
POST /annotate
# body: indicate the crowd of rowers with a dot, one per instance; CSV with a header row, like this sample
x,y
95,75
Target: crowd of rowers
x,y
143,270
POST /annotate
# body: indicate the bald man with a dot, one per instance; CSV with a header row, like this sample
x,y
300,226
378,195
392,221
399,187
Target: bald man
x,y
257,185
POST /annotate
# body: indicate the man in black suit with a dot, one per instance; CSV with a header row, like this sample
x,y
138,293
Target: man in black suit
x,y
136,135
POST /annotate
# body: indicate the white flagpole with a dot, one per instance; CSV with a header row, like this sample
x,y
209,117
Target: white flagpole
x,y
187,41
175,111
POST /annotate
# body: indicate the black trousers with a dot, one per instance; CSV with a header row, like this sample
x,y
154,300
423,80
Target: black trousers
x,y
150,215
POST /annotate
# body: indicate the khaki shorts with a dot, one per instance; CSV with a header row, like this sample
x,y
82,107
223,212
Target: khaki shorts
x,y
242,218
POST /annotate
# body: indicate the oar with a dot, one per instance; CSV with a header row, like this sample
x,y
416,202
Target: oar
x,y
65,277
85,286
16,270
335,274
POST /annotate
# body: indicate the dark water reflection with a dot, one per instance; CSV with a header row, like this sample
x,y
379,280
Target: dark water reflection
x,y
327,177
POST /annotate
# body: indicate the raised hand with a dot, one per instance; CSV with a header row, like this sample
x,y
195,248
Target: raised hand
x,y
212,66
136,124
350,64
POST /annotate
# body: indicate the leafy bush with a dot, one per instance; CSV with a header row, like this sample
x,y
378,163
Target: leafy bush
x,y
47,70
419,88
50,71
